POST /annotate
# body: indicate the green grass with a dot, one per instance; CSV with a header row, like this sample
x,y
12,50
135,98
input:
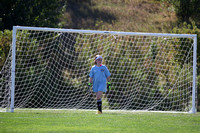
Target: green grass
x,y
87,121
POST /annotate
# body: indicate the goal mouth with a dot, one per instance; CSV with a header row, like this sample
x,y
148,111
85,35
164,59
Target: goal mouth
x,y
48,68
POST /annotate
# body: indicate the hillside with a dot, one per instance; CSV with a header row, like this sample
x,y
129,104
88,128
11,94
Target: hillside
x,y
120,15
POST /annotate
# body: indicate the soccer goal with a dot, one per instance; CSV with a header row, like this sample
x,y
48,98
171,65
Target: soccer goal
x,y
48,68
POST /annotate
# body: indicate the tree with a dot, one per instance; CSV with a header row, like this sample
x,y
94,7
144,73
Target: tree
x,y
41,13
186,10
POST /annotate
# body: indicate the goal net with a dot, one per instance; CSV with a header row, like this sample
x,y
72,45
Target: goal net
x,y
49,68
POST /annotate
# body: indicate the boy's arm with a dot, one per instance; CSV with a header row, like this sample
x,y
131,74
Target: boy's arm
x,y
108,83
108,78
90,80
89,84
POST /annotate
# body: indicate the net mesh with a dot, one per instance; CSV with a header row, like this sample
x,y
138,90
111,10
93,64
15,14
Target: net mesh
x,y
152,73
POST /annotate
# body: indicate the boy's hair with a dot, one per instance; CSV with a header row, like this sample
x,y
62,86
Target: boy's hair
x,y
95,59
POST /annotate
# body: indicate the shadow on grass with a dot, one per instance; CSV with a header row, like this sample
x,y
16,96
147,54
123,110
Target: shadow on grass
x,y
80,14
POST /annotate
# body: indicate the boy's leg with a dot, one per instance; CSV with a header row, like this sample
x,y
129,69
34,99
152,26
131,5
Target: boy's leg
x,y
99,102
99,105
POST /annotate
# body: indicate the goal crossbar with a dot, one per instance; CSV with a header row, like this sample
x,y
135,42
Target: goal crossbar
x,y
104,32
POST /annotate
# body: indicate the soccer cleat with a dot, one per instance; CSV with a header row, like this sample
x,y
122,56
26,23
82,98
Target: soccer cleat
x,y
99,112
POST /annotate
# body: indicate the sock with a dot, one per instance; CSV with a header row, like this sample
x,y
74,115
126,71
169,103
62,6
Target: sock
x,y
99,105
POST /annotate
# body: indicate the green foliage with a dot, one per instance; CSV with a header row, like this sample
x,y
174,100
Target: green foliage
x,y
5,43
43,13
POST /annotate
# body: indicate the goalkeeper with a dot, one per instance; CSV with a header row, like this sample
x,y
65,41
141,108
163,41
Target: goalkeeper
x,y
99,74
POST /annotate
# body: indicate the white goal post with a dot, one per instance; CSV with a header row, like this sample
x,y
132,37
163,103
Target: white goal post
x,y
49,68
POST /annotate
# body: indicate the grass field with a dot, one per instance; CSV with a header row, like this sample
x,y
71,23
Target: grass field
x,y
63,121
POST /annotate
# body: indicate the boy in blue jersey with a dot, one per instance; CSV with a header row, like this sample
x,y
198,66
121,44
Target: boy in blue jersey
x,y
99,74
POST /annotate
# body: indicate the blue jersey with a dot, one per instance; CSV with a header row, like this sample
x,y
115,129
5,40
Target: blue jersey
x,y
99,75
